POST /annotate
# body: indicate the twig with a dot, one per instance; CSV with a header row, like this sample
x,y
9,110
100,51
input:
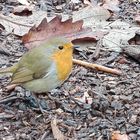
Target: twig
x,y
10,99
6,116
10,87
97,50
97,67
3,50
43,137
96,53
55,130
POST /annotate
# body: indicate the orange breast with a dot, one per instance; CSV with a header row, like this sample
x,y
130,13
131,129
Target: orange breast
x,y
63,61
64,69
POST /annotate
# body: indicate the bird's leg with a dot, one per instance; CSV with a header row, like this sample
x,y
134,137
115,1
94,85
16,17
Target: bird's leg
x,y
33,100
38,103
30,98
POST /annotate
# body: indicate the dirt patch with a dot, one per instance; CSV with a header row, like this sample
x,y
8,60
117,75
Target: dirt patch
x,y
89,105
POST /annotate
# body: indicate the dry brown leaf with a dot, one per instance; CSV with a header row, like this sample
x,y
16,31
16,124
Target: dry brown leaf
x,y
72,30
92,36
93,17
55,130
116,135
55,27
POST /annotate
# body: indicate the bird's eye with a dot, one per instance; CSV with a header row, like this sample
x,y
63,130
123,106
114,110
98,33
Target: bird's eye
x,y
60,47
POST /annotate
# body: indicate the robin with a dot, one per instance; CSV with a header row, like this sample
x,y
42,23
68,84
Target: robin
x,y
43,68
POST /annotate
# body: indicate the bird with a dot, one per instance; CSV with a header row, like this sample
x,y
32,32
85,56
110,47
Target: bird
x,y
43,68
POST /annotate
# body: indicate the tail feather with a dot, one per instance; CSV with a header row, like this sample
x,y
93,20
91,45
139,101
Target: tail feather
x,y
11,69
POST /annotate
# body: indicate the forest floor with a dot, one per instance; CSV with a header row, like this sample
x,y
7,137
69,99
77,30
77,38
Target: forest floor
x,y
90,105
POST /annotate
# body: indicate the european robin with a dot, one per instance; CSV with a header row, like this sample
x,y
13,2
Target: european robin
x,y
43,68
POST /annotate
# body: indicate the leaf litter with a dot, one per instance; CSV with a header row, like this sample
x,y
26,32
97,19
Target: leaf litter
x,y
114,100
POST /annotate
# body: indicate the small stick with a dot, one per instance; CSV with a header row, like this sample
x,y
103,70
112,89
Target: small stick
x,y
97,67
10,87
9,99
6,116
96,53
55,130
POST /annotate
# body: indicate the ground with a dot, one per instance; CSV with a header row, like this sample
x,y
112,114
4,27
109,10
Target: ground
x,y
107,102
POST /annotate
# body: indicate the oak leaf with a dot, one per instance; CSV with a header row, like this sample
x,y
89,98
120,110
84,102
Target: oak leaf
x,y
46,30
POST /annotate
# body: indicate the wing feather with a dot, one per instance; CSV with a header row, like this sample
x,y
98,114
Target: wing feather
x,y
33,65
21,76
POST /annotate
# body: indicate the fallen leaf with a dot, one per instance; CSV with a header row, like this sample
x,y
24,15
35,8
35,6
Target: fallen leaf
x,y
20,25
93,35
116,135
23,10
112,5
121,32
55,27
94,16
133,51
55,130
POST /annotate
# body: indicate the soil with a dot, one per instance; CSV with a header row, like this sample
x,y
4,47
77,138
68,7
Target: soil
x,y
90,105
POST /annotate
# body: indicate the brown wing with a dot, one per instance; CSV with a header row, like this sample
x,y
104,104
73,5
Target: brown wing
x,y
33,65
22,75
